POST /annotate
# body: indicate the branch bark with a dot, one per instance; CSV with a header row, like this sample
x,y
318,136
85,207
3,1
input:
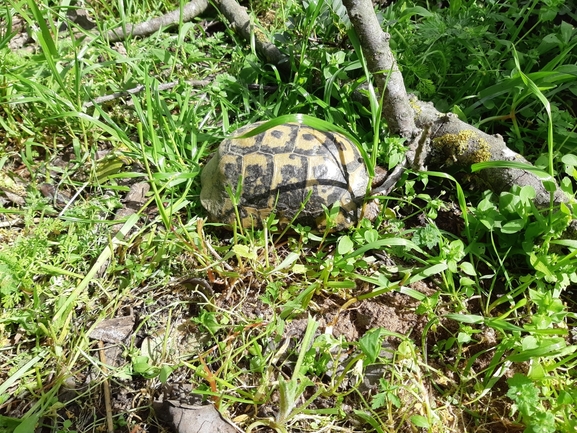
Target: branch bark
x,y
140,88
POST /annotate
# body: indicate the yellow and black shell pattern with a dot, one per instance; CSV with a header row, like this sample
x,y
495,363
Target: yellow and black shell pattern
x,y
289,170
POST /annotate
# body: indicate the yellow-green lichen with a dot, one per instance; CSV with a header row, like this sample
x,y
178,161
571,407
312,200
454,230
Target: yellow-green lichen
x,y
481,154
466,147
414,103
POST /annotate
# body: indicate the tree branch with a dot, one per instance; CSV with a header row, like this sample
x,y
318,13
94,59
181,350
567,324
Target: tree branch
x,y
382,64
232,11
451,140
456,143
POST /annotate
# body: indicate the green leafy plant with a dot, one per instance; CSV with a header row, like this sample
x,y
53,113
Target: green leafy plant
x,y
530,405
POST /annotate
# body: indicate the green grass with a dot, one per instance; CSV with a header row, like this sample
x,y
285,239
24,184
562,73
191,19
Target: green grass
x,y
453,311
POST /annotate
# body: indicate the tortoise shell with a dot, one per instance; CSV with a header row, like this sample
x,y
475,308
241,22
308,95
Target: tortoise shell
x,y
291,170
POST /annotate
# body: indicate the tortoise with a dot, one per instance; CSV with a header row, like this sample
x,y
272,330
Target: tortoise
x,y
291,170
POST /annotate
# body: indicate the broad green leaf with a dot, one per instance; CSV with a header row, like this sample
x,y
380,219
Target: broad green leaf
x,y
371,345
570,243
527,193
369,419
569,159
513,226
287,262
468,268
502,325
466,318
141,364
529,342
417,10
341,284
345,245
387,242
28,424
543,175
427,272
540,264
165,372
548,348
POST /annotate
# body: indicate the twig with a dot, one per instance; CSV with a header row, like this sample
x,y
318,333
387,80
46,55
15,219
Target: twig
x,y
264,88
217,256
233,12
189,11
392,178
72,200
167,86
140,88
106,389
11,223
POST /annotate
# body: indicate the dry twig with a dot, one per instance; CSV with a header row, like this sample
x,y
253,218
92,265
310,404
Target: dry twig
x,y
106,390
